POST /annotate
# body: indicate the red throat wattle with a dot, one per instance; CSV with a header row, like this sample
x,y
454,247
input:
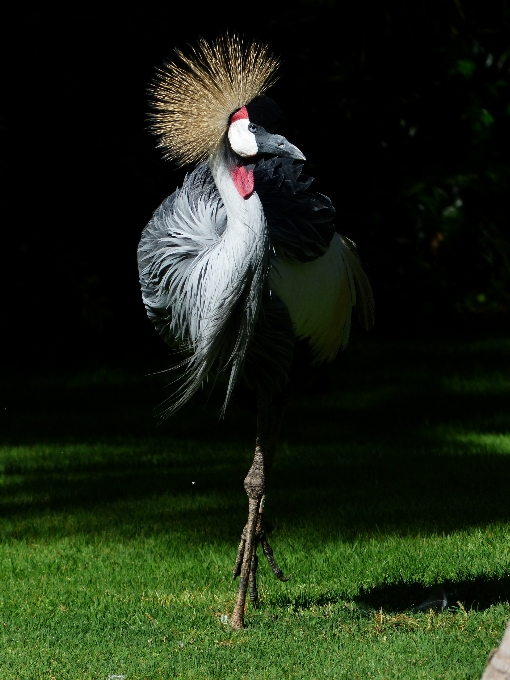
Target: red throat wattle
x,y
243,180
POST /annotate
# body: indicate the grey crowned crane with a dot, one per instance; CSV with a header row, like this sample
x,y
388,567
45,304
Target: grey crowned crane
x,y
242,266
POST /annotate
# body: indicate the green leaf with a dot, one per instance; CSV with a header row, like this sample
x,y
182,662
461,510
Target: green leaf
x,y
466,66
486,118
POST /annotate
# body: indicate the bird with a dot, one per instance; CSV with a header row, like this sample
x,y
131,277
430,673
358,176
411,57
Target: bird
x,y
241,268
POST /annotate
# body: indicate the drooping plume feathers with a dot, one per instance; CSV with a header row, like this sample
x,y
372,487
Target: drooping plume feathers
x,y
194,99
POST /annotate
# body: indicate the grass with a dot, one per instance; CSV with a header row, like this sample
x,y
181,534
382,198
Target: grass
x,y
118,537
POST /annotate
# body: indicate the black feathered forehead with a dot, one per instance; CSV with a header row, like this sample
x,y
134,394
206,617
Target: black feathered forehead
x,y
265,112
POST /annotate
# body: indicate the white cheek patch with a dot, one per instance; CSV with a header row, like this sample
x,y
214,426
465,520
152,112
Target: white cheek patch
x,y
241,140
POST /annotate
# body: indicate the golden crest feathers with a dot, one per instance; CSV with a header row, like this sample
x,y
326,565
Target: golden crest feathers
x,y
193,101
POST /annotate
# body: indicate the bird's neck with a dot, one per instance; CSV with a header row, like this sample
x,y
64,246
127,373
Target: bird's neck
x,y
235,186
242,257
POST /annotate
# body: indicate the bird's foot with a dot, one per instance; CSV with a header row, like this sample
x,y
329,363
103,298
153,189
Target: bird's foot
x,y
262,528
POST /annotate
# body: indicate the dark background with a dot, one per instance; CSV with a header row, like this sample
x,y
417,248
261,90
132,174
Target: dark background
x,y
401,107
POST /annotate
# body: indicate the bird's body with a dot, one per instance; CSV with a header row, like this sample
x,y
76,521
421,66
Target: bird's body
x,y
236,296
242,262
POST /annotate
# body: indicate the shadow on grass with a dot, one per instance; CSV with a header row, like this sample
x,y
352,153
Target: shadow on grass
x,y
474,594
345,498
368,458
479,593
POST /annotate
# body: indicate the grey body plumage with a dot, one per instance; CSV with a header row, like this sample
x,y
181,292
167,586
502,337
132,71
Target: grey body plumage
x,y
245,327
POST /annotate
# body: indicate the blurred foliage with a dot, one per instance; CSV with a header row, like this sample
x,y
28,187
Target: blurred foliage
x,y
421,94
451,231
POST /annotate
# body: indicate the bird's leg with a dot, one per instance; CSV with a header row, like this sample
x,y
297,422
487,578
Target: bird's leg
x,y
254,485
255,530
262,528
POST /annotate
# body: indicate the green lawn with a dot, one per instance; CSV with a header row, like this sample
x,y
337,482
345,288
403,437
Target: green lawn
x,y
118,536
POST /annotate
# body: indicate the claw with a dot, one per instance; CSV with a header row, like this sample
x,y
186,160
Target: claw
x,y
263,527
268,552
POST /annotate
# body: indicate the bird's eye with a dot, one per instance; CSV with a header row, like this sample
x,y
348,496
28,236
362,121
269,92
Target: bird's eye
x,y
252,127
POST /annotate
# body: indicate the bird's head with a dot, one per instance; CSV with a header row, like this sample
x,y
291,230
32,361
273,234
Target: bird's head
x,y
252,131
213,102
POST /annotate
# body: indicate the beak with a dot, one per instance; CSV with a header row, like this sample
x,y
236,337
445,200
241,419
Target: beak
x,y
276,145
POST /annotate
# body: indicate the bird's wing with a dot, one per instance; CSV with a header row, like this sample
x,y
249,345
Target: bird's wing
x,y
314,271
319,296
300,222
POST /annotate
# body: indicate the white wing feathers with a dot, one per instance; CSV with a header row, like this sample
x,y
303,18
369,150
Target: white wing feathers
x,y
320,296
